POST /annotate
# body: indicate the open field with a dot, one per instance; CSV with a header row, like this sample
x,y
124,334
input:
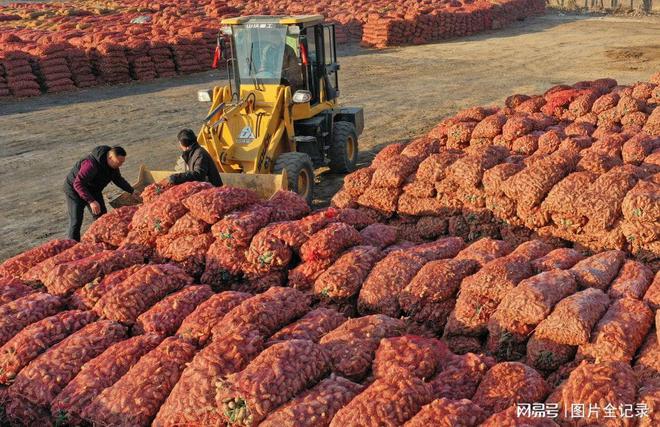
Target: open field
x,y
404,91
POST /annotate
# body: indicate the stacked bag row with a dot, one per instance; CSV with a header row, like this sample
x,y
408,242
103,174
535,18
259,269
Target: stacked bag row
x,y
579,163
137,40
145,343
424,23
199,358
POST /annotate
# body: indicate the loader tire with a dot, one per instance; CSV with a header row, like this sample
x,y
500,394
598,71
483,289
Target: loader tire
x,y
343,152
300,173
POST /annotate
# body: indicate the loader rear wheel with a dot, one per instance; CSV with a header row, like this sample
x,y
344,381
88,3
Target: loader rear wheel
x,y
343,151
300,173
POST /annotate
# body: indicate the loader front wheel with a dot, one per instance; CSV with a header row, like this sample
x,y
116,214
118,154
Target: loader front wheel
x,y
300,173
343,152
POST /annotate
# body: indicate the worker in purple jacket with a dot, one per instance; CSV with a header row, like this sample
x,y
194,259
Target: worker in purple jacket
x,y
85,183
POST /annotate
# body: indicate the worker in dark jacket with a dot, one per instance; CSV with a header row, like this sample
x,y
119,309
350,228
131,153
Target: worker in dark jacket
x,y
199,165
85,183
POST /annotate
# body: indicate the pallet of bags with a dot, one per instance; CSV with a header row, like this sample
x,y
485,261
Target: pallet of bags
x,y
20,78
81,67
161,55
186,55
141,65
52,68
110,63
4,86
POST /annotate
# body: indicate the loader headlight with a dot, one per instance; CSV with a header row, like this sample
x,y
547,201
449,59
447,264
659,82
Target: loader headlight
x,y
205,95
302,97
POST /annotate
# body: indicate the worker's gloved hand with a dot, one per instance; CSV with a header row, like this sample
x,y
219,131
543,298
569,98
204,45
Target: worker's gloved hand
x,y
135,199
95,207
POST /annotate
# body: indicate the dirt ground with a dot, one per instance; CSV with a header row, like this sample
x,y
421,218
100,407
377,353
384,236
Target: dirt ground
x,y
404,92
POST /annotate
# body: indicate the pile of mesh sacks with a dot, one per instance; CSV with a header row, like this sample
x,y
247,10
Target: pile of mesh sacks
x,y
579,163
413,22
208,306
90,45
110,43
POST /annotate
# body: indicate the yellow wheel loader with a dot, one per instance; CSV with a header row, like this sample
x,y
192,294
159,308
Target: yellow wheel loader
x,y
277,119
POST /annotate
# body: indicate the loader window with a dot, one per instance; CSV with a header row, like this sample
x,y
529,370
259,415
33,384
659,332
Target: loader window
x,y
332,80
328,45
313,49
260,53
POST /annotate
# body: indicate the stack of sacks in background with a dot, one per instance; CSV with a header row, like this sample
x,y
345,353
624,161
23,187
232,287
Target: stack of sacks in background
x,y
415,23
51,67
4,87
347,29
161,55
110,63
190,55
141,65
81,68
20,78
54,60
185,32
113,29
578,163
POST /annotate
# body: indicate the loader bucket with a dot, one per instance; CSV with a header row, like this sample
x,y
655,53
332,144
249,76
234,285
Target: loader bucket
x,y
265,185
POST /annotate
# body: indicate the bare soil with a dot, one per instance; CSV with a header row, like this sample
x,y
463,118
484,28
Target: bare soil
x,y
404,91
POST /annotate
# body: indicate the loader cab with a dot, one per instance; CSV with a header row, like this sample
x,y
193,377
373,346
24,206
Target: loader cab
x,y
299,52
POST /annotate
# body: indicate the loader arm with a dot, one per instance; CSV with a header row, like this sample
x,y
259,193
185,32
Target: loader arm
x,y
246,136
